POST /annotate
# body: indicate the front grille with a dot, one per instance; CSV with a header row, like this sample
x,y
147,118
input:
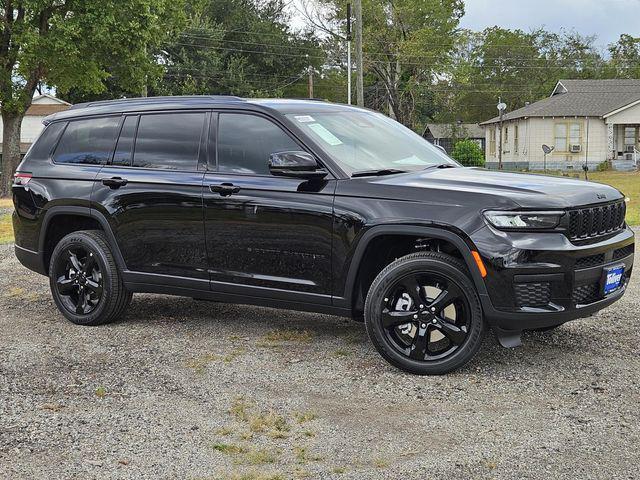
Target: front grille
x,y
623,252
532,294
592,261
594,221
585,294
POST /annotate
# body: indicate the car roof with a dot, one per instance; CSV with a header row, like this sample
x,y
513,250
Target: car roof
x,y
130,105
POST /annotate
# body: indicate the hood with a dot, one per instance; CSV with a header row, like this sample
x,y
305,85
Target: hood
x,y
506,189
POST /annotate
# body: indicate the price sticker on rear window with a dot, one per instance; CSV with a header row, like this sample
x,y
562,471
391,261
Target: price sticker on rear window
x,y
304,118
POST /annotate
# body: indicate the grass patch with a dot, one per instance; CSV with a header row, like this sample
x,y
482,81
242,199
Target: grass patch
x,y
229,448
304,417
380,463
6,229
6,203
303,455
199,364
260,456
240,408
252,476
277,336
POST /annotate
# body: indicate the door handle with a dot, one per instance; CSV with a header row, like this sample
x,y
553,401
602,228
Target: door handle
x,y
224,189
114,182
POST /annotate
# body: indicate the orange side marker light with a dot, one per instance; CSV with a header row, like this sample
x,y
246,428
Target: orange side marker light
x,y
476,257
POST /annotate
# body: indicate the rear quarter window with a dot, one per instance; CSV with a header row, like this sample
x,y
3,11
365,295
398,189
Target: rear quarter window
x,y
43,146
87,141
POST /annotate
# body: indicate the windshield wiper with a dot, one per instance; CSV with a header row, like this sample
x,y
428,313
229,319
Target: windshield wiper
x,y
376,173
441,165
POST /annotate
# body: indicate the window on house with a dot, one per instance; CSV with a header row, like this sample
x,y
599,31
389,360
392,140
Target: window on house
x,y
629,136
567,134
492,141
506,136
515,139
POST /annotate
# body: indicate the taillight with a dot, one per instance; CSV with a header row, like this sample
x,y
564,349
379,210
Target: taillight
x,y
21,178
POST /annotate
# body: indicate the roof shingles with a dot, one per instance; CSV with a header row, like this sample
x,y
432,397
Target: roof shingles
x,y
582,98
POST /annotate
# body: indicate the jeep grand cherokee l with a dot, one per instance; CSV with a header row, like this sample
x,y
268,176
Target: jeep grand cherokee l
x,y
316,207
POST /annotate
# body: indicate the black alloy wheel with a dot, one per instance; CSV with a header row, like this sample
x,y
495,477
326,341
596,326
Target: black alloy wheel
x,y
84,279
78,280
423,314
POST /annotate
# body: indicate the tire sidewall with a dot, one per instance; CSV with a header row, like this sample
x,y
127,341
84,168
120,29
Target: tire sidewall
x,y
423,263
85,241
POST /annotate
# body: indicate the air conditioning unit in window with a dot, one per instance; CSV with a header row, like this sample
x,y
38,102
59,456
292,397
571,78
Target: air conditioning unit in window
x,y
629,149
575,148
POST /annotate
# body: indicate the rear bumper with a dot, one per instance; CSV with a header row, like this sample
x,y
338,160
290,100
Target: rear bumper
x,y
541,280
30,259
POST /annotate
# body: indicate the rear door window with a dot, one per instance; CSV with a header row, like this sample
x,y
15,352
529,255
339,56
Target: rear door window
x,y
246,141
169,141
88,141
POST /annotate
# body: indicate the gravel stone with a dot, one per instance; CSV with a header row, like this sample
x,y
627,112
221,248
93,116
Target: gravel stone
x,y
200,390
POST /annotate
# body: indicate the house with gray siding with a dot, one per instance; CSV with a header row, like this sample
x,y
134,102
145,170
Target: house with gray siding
x,y
585,121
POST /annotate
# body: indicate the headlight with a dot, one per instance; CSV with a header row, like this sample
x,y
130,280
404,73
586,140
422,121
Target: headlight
x,y
524,220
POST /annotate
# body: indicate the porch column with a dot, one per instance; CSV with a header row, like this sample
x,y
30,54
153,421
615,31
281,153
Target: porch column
x,y
611,142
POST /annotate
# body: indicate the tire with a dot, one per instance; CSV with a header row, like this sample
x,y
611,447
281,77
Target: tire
x,y
84,279
446,277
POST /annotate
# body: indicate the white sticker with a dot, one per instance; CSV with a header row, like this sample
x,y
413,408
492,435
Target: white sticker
x,y
304,118
325,134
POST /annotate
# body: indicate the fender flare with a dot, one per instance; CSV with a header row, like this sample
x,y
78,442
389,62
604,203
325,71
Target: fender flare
x,y
462,245
53,212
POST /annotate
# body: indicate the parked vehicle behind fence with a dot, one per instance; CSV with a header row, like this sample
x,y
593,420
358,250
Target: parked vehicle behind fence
x,y
311,206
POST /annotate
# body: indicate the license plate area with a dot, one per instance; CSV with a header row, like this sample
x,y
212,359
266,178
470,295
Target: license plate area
x,y
612,279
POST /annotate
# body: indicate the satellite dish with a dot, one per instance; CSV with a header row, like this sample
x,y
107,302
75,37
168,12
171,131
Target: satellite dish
x,y
547,149
502,106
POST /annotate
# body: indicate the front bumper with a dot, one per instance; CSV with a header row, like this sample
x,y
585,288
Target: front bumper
x,y
537,280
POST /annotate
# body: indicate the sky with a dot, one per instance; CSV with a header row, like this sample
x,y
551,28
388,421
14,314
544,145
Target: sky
x,y
605,18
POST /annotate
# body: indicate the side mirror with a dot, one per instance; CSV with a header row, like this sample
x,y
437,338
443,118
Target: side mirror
x,y
296,165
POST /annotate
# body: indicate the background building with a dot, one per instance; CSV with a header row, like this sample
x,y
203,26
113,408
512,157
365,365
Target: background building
x,y
446,134
41,106
586,121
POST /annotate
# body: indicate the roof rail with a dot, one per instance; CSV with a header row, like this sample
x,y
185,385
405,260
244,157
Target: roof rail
x,y
166,99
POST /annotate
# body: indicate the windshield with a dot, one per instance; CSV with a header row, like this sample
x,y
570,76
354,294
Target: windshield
x,y
362,141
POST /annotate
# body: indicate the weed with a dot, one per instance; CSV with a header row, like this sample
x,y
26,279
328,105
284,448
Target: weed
x,y
229,448
304,417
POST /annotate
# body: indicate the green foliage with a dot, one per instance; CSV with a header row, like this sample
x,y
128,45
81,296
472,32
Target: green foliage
x,y
468,153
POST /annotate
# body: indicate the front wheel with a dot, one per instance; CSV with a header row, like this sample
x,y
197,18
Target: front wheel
x,y
423,315
84,280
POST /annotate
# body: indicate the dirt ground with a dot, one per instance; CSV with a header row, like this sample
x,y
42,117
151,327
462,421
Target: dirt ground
x,y
196,390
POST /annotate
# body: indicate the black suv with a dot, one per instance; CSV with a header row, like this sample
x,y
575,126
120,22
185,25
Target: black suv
x,y
316,207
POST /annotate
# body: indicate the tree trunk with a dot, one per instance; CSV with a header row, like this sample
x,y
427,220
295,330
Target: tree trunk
x,y
11,127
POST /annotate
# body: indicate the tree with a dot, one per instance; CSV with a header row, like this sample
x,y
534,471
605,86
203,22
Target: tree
x,y
406,44
238,47
625,57
74,46
468,153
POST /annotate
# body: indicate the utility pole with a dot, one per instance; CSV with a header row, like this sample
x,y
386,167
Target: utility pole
x,y
360,73
501,108
310,81
348,54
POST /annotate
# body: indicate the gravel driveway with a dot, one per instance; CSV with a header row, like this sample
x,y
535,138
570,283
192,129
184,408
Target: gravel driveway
x,y
198,390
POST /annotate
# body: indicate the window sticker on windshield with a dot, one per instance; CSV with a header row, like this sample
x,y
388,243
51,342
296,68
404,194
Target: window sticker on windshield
x,y
412,160
325,134
304,118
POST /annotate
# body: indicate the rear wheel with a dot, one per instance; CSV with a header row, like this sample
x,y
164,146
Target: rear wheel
x,y
423,315
84,280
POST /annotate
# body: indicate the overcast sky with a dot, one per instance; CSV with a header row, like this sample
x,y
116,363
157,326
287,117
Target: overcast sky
x,y
605,18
